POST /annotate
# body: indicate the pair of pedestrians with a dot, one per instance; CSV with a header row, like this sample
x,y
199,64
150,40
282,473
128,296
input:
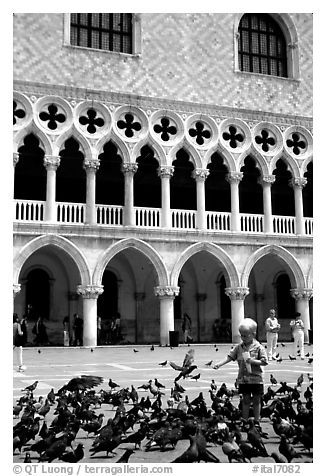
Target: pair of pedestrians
x,y
272,327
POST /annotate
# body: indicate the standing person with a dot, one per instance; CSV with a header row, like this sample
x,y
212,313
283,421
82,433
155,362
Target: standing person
x,y
99,330
297,328
251,356
78,329
272,327
24,328
186,328
41,336
18,341
66,337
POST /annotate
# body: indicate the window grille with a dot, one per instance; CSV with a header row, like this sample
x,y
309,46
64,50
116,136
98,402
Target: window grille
x,y
103,31
261,45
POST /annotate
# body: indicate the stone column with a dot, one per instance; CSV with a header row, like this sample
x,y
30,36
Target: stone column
x,y
51,163
139,298
165,172
298,184
237,296
200,176
129,213
267,182
201,298
302,297
91,166
234,178
90,294
166,296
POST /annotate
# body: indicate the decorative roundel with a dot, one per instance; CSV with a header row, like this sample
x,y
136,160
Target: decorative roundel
x,y
298,141
202,131
22,111
235,135
166,127
130,123
92,118
267,138
53,114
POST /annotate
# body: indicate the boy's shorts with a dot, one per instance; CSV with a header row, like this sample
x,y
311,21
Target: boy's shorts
x,y
251,388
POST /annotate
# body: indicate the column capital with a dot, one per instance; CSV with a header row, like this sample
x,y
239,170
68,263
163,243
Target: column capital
x,y
90,291
166,291
16,288
200,174
237,293
51,161
298,182
165,171
234,177
268,179
128,168
301,293
91,164
15,158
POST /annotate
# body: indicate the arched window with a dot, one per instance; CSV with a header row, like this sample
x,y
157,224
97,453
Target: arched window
x,y
261,45
103,31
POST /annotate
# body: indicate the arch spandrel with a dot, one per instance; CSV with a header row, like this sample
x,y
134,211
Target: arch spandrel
x,y
140,246
73,133
44,141
232,276
52,240
296,274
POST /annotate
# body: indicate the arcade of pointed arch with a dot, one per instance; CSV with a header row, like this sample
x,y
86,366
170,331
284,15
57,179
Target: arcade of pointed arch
x,y
53,120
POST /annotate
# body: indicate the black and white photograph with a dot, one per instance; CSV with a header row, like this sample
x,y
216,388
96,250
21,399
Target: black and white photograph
x,y
161,215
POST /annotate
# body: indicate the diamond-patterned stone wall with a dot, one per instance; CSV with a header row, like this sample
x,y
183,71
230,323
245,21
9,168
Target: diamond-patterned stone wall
x,y
183,57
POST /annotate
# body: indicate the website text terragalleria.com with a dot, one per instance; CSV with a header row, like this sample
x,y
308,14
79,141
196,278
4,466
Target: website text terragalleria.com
x,y
32,469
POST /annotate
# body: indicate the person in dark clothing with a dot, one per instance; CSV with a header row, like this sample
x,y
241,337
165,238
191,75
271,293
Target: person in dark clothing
x,y
41,336
78,329
24,328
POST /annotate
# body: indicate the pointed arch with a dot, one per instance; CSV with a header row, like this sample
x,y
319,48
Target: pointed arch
x,y
60,242
232,276
73,133
194,156
140,246
260,160
296,273
305,164
227,157
149,141
290,162
118,142
32,128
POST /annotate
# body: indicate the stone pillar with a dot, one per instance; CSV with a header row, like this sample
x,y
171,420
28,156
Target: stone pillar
x,y
237,296
91,166
302,297
298,184
90,294
234,178
201,298
139,298
129,213
165,172
267,182
51,163
16,289
166,296
200,176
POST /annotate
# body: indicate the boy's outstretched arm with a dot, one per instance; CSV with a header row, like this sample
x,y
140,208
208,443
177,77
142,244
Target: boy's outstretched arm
x,y
226,360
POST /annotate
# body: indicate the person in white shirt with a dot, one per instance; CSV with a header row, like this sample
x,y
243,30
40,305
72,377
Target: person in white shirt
x,y
272,327
297,328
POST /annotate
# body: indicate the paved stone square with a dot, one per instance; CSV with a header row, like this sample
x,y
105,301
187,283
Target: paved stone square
x,y
126,365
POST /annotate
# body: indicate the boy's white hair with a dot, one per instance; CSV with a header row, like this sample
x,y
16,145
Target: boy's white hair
x,y
248,324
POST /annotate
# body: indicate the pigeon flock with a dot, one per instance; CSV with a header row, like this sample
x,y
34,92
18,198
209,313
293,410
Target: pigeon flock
x,y
92,418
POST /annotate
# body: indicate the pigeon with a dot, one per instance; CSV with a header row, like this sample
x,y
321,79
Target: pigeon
x,y
135,350
279,359
310,360
248,451
152,347
310,377
112,384
158,384
163,364
31,388
208,364
179,388
278,458
216,350
81,383
27,458
73,456
254,437
300,380
195,377
287,449
185,372
146,386
273,380
292,358
283,345
213,386
51,396
308,354
39,351
92,350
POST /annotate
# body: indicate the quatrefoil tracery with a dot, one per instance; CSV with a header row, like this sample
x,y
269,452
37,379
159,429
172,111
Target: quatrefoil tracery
x,y
129,124
92,121
296,144
200,133
52,117
233,137
265,140
19,113
165,129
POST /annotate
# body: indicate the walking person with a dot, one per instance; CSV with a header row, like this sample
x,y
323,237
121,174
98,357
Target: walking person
x,y
297,328
18,341
272,327
251,357
99,330
186,328
78,329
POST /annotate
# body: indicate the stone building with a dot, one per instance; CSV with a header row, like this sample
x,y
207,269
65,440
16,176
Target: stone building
x,y
162,165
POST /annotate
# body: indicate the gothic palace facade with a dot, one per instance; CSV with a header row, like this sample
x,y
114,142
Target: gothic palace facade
x,y
162,164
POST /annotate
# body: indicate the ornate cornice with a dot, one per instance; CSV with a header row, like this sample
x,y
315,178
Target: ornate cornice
x,y
90,291
301,293
238,294
166,291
